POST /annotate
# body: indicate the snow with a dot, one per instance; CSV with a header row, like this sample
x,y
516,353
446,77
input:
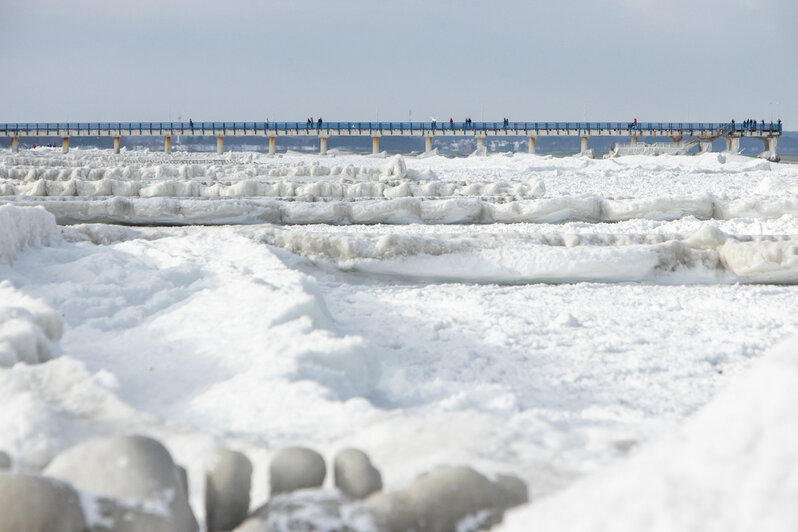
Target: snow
x,y
729,467
381,303
29,328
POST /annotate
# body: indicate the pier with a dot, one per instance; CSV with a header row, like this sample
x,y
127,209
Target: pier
x,y
678,132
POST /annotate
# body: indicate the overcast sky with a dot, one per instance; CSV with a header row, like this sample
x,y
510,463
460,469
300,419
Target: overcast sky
x,y
156,60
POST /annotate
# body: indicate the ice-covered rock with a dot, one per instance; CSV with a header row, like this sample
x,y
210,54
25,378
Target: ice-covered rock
x,y
296,468
355,476
513,488
135,469
228,480
30,503
5,461
441,501
182,476
35,461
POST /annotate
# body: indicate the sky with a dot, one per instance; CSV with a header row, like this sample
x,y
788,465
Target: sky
x,y
353,60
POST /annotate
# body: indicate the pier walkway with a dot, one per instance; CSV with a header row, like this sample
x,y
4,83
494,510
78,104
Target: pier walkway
x,y
677,131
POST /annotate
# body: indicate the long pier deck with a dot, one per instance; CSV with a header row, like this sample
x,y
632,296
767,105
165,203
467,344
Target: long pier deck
x,y
702,131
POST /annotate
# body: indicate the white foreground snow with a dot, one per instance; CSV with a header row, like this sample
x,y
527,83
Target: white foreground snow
x,y
731,467
548,350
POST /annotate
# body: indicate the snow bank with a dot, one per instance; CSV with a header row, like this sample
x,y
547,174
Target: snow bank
x,y
24,227
29,328
731,467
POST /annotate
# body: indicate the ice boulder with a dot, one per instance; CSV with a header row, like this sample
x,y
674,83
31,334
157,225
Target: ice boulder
x,y
296,468
30,503
443,499
354,474
228,479
134,469
29,328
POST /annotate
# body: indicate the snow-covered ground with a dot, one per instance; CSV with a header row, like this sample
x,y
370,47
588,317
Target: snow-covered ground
x,y
378,302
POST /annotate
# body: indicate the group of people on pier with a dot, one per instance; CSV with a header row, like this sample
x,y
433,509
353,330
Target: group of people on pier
x,y
751,125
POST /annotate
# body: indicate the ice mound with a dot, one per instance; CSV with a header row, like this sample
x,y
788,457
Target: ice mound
x,y
774,261
707,255
24,227
29,328
731,467
405,203
412,183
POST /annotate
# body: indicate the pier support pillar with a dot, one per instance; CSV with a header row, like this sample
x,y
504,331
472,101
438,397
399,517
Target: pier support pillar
x,y
219,145
117,142
583,147
427,144
375,145
676,139
480,143
734,145
15,144
704,146
728,144
770,143
167,144
634,140
272,145
531,145
65,145
322,145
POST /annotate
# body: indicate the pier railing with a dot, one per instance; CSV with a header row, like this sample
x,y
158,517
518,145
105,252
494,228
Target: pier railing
x,y
100,129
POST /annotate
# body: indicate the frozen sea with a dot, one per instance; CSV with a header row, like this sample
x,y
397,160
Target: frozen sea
x,y
561,319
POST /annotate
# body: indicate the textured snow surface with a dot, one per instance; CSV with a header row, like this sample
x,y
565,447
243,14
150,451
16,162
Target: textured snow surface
x,y
551,350
730,467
